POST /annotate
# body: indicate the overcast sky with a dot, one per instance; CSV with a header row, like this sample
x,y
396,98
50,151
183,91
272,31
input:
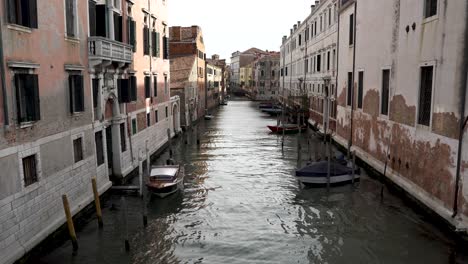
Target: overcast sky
x,y
229,26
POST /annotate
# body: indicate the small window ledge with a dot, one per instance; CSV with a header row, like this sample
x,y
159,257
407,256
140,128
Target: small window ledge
x,y
72,39
26,124
19,28
430,19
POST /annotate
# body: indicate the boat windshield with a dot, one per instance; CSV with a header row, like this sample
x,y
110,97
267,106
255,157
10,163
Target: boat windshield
x,y
163,173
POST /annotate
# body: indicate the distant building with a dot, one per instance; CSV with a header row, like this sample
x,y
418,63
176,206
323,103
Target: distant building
x,y
242,60
188,42
221,63
266,77
214,77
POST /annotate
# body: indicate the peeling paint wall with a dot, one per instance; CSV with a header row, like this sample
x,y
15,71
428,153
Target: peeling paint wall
x,y
421,159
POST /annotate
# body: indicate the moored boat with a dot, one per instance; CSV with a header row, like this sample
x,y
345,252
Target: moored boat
x,y
316,173
165,180
287,128
265,105
208,117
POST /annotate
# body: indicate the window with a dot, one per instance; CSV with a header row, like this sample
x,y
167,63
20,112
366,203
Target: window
x,y
167,113
29,170
123,143
329,17
319,63
166,84
385,91
148,119
146,41
131,26
328,61
155,41
262,73
360,89
95,84
134,126
165,48
70,12
425,95
147,87
27,97
321,19
133,88
430,8
350,87
351,29
78,149
286,71
282,71
306,65
155,86
75,85
22,12
273,73
156,117
118,27
300,39
99,148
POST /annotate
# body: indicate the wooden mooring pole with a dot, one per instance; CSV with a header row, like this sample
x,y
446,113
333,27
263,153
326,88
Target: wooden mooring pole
x,y
354,166
97,202
71,227
123,203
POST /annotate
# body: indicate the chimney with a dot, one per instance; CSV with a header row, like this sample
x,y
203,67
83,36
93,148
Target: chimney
x,y
194,31
317,3
291,31
215,57
298,23
295,28
174,33
284,39
312,7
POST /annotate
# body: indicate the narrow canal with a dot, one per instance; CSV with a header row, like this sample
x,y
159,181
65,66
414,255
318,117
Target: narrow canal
x,y
242,204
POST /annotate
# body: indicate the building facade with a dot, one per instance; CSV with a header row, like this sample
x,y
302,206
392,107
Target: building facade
x,y
188,41
266,81
214,79
309,64
75,105
241,69
184,84
220,63
402,96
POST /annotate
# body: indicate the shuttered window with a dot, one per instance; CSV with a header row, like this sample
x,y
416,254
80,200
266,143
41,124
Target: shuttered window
x,y
147,87
118,25
75,84
148,119
146,41
350,87
78,149
133,88
156,117
92,18
134,126
167,113
166,85
123,143
29,170
70,17
27,97
101,21
95,84
425,96
155,86
165,48
385,91
319,63
155,43
351,29
22,12
123,89
360,89
99,148
131,25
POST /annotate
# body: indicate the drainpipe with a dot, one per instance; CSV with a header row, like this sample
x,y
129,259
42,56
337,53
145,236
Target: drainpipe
x,y
350,142
337,59
6,118
463,85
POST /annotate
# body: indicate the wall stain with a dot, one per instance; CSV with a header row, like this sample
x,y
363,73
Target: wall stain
x,y
446,124
371,103
400,112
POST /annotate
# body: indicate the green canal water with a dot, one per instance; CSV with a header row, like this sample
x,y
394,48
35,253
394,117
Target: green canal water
x,y
242,204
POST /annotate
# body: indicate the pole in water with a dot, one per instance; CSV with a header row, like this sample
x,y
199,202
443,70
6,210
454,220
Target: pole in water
x,y
145,211
354,166
140,177
97,202
71,227
123,203
170,141
328,165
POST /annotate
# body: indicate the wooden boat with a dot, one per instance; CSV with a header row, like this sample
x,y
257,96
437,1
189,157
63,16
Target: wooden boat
x,y
273,111
165,180
315,173
288,128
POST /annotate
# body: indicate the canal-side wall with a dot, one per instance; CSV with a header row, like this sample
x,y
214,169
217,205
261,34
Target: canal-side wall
x,y
385,126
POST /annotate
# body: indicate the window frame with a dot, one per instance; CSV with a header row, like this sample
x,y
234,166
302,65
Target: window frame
x,y
75,33
432,64
19,88
123,137
76,77
426,17
75,157
360,90
389,69
100,159
32,20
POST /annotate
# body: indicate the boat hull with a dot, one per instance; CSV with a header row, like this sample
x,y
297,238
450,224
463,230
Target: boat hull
x,y
292,130
166,191
334,180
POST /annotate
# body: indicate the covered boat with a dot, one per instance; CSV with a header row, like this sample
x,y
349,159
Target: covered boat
x,y
316,173
265,105
165,180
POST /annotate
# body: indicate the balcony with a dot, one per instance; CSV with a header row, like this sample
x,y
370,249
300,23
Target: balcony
x,y
105,51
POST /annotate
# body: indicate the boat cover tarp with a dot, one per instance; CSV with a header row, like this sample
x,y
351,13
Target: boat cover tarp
x,y
319,169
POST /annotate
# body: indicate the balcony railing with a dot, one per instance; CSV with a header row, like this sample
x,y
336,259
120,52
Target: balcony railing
x,y
101,48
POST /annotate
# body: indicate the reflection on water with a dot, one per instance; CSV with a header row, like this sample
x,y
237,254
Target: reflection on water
x,y
241,204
